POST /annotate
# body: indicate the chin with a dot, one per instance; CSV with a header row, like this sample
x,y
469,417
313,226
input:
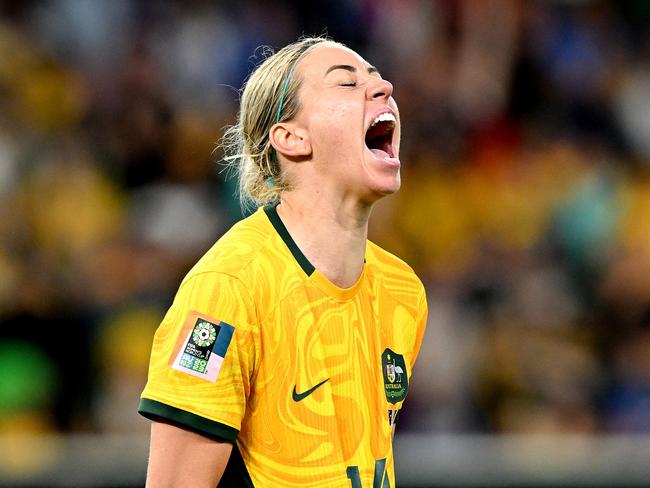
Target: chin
x,y
387,186
393,188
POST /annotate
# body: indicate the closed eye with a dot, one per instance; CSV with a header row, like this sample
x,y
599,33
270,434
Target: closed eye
x,y
349,83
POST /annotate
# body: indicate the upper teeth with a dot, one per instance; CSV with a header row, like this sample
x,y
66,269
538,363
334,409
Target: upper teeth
x,y
385,117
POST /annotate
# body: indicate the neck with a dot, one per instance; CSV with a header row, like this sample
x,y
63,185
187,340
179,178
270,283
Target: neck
x,y
331,236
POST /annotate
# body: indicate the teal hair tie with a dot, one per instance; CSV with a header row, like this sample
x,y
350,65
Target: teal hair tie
x,y
284,88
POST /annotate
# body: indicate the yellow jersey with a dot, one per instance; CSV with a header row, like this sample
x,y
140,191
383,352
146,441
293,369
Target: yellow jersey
x,y
305,378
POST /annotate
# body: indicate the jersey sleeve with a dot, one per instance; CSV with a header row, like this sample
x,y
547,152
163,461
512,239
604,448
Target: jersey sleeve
x,y
421,325
203,358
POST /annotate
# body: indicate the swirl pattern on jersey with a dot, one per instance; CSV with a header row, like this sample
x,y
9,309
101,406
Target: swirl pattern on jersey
x,y
294,331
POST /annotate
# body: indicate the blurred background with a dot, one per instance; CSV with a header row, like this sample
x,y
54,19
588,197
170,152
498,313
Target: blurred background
x,y
525,209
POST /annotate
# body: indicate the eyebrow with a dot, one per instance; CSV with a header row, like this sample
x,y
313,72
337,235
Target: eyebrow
x,y
351,69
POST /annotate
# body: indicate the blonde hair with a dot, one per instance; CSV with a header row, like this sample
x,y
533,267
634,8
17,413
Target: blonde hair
x,y
270,95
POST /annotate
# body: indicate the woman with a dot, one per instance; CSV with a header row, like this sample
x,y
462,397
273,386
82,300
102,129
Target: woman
x,y
286,355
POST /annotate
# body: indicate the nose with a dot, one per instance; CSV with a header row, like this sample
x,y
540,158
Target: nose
x,y
379,88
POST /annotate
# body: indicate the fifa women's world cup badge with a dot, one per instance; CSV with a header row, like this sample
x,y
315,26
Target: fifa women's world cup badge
x,y
204,334
201,347
197,351
396,381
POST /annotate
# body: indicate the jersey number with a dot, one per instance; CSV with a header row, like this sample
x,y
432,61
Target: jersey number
x,y
380,474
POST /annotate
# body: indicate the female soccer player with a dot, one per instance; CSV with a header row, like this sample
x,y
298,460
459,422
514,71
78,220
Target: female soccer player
x,y
286,355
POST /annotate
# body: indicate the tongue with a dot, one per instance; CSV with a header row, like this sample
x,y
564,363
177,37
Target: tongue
x,y
379,153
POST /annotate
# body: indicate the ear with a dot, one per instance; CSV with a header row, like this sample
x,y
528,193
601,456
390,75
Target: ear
x,y
290,140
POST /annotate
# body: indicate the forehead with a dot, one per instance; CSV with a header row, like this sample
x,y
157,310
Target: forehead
x,y
320,58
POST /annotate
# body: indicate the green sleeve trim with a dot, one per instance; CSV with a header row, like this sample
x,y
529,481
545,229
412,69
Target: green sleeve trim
x,y
154,410
280,228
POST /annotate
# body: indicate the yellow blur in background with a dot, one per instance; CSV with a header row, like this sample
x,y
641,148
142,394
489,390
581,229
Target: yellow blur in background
x,y
525,209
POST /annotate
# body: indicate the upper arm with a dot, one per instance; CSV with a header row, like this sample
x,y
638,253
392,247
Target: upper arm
x,y
202,361
179,457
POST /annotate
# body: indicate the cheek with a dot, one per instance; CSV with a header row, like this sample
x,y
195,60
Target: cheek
x,y
339,124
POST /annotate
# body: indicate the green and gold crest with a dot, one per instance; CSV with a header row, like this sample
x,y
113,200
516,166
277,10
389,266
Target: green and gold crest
x,y
396,381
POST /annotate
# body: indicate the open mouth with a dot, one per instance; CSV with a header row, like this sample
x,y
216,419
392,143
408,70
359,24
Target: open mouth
x,y
379,136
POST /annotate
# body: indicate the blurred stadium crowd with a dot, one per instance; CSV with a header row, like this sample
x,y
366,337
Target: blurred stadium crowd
x,y
525,205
